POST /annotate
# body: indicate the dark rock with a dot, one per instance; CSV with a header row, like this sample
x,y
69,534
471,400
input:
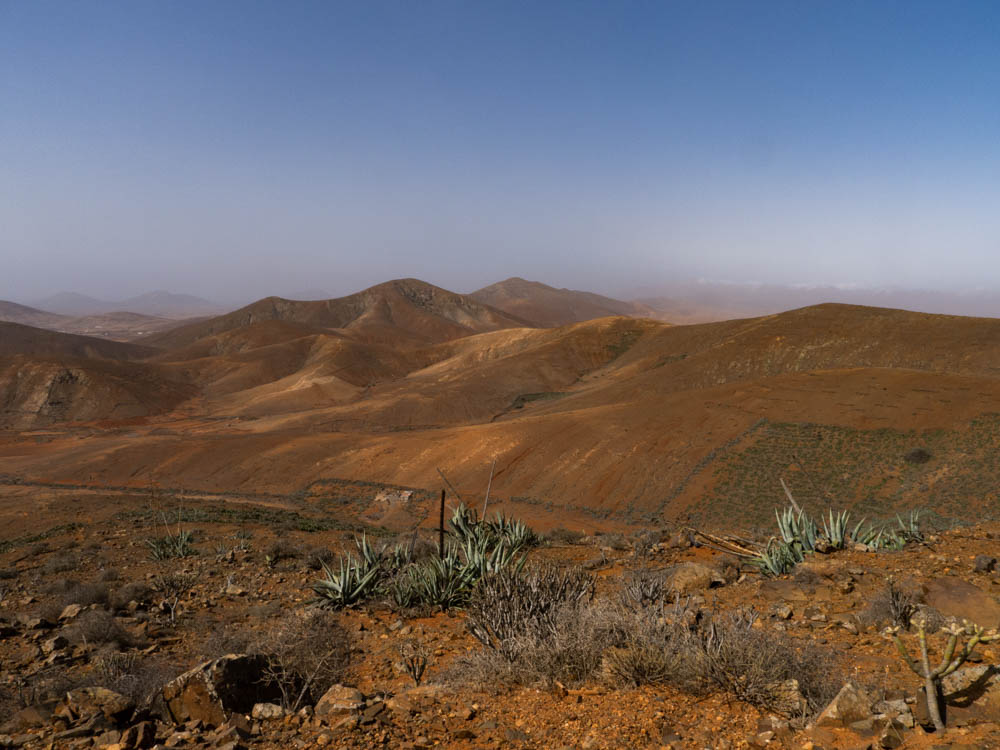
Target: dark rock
x,y
215,690
984,564
139,736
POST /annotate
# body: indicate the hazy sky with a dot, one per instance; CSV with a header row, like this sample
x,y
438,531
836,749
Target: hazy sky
x,y
237,149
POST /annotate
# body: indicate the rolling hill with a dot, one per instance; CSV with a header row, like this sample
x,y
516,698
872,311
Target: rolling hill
x,y
547,307
11,312
21,339
405,312
618,416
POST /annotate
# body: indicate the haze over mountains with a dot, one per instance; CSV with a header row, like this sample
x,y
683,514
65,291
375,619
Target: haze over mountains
x,y
616,414
159,304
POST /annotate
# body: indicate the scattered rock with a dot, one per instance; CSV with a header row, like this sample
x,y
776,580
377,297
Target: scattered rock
x,y
84,703
984,564
70,611
267,712
851,704
139,736
337,702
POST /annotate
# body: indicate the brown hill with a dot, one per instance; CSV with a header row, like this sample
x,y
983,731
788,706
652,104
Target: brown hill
x,y
22,339
615,415
11,312
547,307
41,391
401,313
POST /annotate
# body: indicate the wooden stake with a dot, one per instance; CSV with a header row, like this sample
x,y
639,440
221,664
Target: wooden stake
x,y
488,486
441,529
788,494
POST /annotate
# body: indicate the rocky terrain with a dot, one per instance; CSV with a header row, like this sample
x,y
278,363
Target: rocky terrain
x,y
104,645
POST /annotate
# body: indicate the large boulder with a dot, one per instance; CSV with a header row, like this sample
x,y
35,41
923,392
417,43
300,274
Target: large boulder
x,y
953,597
212,692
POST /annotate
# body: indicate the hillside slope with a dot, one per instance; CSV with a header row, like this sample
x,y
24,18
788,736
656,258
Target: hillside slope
x,y
548,307
612,416
22,339
402,313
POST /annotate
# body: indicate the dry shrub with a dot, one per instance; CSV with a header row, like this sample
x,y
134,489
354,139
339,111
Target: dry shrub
x,y
317,557
644,541
62,562
136,591
130,674
282,549
309,651
225,639
894,604
731,654
98,627
110,575
563,535
617,542
548,636
509,604
643,588
85,594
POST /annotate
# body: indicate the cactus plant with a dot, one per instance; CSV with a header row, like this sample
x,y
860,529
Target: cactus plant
x,y
950,661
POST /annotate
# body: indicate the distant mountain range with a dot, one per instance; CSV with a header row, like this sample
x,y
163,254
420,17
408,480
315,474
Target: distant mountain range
x,y
159,304
706,301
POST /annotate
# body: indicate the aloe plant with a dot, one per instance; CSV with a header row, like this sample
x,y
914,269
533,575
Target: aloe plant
x,y
351,584
797,528
777,558
835,528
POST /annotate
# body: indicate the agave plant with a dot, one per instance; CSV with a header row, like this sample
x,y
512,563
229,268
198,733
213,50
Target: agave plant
x,y
464,523
352,583
909,527
778,557
444,582
835,528
797,528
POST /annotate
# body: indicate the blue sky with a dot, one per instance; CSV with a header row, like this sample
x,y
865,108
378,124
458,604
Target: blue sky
x,y
237,149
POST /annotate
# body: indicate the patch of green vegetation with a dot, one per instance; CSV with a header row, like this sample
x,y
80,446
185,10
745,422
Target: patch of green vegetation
x,y
275,518
869,472
626,340
7,545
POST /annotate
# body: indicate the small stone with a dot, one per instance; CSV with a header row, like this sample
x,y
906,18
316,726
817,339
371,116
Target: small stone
x,y
783,612
338,701
850,705
54,644
267,712
70,611
984,564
